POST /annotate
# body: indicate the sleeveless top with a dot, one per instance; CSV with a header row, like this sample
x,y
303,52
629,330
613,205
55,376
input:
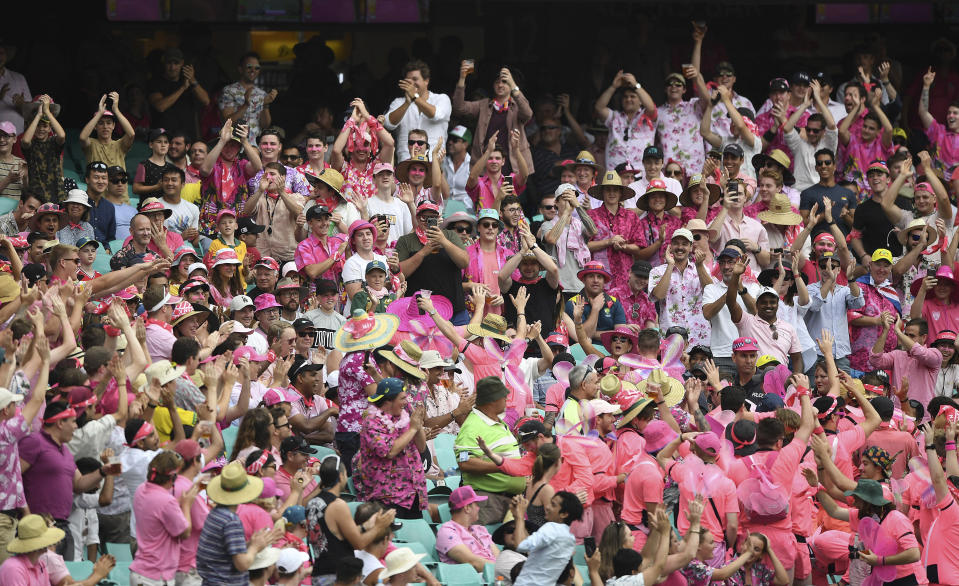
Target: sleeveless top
x,y
536,513
327,548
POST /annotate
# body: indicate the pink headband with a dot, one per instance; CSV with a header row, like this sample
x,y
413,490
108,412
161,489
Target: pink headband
x,y
145,430
256,466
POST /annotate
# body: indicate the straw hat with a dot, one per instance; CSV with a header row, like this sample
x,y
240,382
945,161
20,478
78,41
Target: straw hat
x,y
933,236
686,199
163,371
780,212
433,359
365,332
610,179
394,357
33,535
656,186
610,385
777,156
671,390
403,169
183,310
330,177
492,326
400,560
633,410
234,486
585,158
696,224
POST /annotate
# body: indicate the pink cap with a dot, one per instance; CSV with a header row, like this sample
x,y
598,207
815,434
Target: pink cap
x,y
427,205
188,449
658,434
824,236
265,301
745,345
268,262
225,256
708,441
924,187
272,396
225,212
249,353
7,127
657,184
380,167
270,489
463,496
558,338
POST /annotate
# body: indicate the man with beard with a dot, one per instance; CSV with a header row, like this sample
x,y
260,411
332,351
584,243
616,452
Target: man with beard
x,y
456,165
288,296
602,311
177,155
547,153
722,329
677,286
531,260
271,145
244,102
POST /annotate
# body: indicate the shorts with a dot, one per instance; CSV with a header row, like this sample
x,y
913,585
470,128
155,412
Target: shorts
x,y
803,562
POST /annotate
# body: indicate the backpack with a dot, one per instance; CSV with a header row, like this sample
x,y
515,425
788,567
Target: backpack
x,y
762,499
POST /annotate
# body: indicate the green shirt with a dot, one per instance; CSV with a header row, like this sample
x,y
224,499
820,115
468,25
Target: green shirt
x,y
500,440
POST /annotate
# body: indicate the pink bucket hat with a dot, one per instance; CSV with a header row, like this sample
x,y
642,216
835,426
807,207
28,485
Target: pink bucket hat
x,y
463,496
265,301
658,434
405,308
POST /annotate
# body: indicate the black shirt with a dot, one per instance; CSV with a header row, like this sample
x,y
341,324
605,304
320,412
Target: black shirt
x,y
437,272
181,116
540,307
840,196
877,230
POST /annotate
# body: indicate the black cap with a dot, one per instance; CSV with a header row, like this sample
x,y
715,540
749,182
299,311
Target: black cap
x,y
248,226
530,430
701,349
302,323
779,85
34,272
682,331
317,212
800,78
725,67
742,434
641,268
823,78
156,133
295,443
301,365
734,149
653,152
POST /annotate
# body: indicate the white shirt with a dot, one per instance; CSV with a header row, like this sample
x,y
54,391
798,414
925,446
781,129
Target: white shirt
x,y
370,563
435,127
642,185
804,156
16,84
457,179
722,328
397,212
550,549
185,215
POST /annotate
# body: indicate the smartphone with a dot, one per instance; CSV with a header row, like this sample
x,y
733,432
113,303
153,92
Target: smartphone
x,y
236,131
931,272
589,544
777,251
700,24
507,180
432,222
416,300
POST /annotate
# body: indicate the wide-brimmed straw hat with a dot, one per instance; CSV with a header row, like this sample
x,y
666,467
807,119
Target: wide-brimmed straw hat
x,y
33,534
400,358
686,198
656,186
671,390
234,486
932,238
779,157
585,158
403,169
329,177
365,332
185,309
611,179
492,326
780,212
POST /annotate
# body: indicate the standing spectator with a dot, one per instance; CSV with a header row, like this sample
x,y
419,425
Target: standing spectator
x,y
828,303
316,150
639,308
42,146
551,546
914,362
548,152
616,242
652,169
940,309
245,103
16,93
74,225
732,223
881,304
271,146
678,287
320,256
225,175
418,108
13,169
819,133
388,207
115,197
192,461
744,137
223,554
677,124
722,329
103,147
631,129
276,207
566,237
146,181
945,137
603,311
388,466
360,145
843,199
177,155
456,166
872,142
531,260
185,216
873,228
657,226
489,183
785,99
176,96
507,111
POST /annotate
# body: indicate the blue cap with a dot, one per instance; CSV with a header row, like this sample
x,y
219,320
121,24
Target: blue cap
x,y
295,514
387,389
81,242
730,252
376,264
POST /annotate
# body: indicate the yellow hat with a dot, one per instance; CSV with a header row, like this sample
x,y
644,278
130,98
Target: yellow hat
x,y
882,254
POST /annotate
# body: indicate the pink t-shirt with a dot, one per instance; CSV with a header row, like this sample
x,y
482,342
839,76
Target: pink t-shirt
x,y
475,537
485,365
942,541
722,493
198,514
160,522
644,485
940,317
897,526
253,518
780,343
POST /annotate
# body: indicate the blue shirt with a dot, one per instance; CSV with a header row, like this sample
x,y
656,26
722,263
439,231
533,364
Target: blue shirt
x,y
609,317
550,550
103,219
830,314
222,538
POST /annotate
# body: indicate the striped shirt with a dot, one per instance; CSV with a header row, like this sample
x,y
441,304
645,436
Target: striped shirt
x,y
222,538
13,188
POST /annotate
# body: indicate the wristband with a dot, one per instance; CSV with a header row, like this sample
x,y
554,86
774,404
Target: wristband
x,y
930,447
950,446
819,430
102,475
802,391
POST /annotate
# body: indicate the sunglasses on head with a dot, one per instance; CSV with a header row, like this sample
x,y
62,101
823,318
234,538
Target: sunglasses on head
x,y
97,166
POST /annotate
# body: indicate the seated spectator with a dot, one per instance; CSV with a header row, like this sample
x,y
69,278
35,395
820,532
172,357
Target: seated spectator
x,y
551,546
461,540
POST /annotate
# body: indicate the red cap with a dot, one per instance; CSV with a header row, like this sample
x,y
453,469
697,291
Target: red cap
x,y
427,205
745,344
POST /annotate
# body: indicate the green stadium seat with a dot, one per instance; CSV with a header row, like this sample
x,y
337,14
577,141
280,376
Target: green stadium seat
x,y
459,574
121,551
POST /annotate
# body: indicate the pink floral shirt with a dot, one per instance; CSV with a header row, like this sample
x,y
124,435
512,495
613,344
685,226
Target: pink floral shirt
x,y
628,145
359,180
639,307
677,131
766,121
683,305
858,156
947,147
650,229
392,481
352,392
861,339
626,224
11,483
721,123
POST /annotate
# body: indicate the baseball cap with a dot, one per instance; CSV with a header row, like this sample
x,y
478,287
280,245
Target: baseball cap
x,y
652,152
380,167
274,397
374,265
291,559
301,365
294,514
682,233
7,397
725,67
779,85
250,353
641,268
7,127
241,301
461,132
734,149
295,443
745,344
188,449
882,254
557,339
730,252
800,78
427,206
767,291
877,166
708,441
463,496
268,262
387,388
81,242
172,55
603,407
248,226
316,212
531,429
301,324
766,360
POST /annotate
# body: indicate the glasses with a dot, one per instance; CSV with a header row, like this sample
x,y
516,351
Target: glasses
x,y
76,260
823,163
675,84
549,207
488,225
813,129
305,334
676,173
119,181
620,339
772,328
462,229
697,237
289,157
287,424
418,143
915,236
723,74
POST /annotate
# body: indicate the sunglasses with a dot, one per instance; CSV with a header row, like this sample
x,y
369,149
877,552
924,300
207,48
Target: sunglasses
x,y
418,143
676,173
813,129
549,207
97,166
119,181
915,236
488,225
463,229
675,84
289,157
772,328
697,237
620,339
823,163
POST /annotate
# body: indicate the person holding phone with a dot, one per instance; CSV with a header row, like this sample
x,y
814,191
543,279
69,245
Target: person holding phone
x,y
731,222
244,102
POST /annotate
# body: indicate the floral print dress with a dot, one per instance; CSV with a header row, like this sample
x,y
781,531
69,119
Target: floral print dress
x,y
392,481
625,223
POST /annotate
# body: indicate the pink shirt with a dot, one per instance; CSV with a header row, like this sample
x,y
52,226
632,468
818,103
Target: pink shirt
x,y
485,365
722,493
947,149
484,194
942,541
644,485
901,445
18,570
283,479
253,518
159,342
940,317
575,471
198,515
860,154
781,343
897,526
475,537
311,251
159,523
745,228
920,365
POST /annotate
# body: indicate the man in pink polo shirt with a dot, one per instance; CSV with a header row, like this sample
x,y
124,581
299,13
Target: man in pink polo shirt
x,y
159,309
161,521
461,540
643,493
914,362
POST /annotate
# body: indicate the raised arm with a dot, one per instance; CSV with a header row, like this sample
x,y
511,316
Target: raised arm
x,y
602,102
87,129
128,133
927,80
847,122
706,125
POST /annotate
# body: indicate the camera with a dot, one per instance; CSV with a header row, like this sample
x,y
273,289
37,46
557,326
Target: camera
x,y
777,251
416,300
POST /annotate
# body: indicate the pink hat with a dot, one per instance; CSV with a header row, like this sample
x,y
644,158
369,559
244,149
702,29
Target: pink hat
x,y
128,293
658,434
358,225
7,127
265,301
225,212
268,262
427,205
405,308
380,167
225,256
188,449
745,344
270,489
180,253
248,352
620,331
272,396
943,273
463,496
824,236
152,204
594,267
558,339
924,187
708,441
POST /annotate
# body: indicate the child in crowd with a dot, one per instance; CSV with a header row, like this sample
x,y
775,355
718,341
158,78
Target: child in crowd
x,y
88,255
146,182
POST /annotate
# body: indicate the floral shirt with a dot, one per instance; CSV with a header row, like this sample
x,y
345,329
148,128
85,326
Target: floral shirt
x,y
721,124
683,305
946,155
624,223
638,306
651,228
359,180
440,402
44,166
213,199
234,95
392,481
628,138
861,339
762,575
766,121
295,182
697,573
508,238
11,483
352,392
677,132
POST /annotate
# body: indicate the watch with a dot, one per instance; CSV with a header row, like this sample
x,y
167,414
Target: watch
x,y
416,96
514,90
639,86
533,247
743,291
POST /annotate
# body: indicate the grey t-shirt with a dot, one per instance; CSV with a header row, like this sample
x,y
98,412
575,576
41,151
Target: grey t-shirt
x,y
326,324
